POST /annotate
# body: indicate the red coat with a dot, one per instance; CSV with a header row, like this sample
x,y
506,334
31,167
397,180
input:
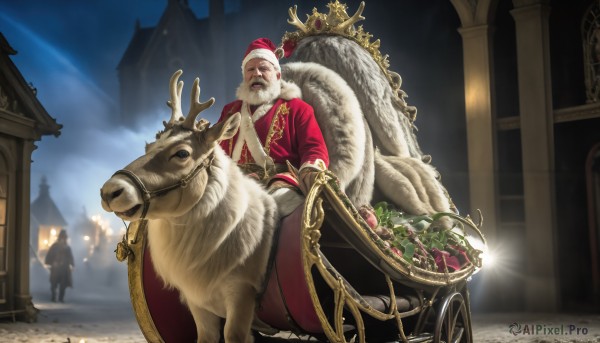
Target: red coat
x,y
288,131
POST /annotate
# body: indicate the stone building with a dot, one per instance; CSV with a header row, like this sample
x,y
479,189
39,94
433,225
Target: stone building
x,y
202,47
533,129
509,108
179,41
23,121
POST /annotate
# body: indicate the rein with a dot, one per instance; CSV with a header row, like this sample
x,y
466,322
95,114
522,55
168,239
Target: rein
x,y
147,195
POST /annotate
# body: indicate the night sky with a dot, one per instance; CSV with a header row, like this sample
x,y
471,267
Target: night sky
x,y
69,51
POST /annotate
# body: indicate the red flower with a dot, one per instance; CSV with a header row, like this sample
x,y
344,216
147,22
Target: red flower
x,y
462,255
369,216
396,251
444,260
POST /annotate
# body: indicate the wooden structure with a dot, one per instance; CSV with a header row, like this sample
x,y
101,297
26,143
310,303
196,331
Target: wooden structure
x,y
23,121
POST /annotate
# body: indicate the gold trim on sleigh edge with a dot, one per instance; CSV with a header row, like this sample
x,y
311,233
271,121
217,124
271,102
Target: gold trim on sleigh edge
x,y
137,239
313,217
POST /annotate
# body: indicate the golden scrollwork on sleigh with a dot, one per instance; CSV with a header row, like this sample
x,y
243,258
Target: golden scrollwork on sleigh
x,y
335,275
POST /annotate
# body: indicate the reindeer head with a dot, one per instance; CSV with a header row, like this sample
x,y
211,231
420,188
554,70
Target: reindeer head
x,y
170,178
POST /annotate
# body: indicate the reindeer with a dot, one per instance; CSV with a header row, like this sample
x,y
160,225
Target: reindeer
x,y
210,227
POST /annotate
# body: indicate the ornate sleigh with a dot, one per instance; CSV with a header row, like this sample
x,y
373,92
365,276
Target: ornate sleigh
x,y
331,277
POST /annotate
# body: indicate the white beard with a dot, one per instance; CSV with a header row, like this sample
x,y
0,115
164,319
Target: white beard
x,y
261,96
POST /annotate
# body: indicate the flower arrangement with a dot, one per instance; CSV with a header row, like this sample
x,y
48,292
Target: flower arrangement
x,y
434,242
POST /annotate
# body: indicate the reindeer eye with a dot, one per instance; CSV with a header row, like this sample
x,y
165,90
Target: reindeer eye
x,y
182,154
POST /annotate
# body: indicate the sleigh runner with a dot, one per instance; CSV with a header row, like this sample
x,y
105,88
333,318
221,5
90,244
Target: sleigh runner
x,y
331,274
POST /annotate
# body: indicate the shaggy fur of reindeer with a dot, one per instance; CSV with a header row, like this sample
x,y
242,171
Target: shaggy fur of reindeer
x,y
401,172
210,239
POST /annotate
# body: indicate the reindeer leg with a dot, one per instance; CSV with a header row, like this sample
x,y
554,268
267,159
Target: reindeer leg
x,y
240,313
208,325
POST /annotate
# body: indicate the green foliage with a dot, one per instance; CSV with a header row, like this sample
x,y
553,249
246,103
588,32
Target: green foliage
x,y
418,237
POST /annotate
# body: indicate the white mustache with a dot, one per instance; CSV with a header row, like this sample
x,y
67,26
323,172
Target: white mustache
x,y
258,80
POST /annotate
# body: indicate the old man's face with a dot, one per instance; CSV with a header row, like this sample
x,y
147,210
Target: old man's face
x,y
259,71
261,81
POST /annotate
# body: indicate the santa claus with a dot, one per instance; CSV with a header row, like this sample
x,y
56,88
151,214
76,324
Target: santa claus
x,y
276,128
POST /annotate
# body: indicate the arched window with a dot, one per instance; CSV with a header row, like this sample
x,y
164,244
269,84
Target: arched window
x,y
590,31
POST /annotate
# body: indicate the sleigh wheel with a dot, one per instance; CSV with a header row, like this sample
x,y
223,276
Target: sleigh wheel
x,y
453,321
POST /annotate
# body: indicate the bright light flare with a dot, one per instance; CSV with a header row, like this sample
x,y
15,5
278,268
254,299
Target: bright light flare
x,y
498,259
488,260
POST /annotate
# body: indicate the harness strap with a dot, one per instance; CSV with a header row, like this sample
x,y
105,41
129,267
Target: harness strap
x,y
147,195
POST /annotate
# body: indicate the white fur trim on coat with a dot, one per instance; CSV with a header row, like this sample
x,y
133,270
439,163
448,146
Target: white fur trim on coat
x,y
289,90
247,135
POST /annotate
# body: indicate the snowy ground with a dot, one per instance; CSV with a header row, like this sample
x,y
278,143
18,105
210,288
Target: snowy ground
x,y
81,319
98,310
108,318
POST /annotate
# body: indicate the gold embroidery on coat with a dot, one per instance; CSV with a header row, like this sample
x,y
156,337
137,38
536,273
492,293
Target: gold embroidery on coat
x,y
246,156
277,126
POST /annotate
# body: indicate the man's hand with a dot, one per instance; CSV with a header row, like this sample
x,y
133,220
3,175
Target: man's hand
x,y
306,175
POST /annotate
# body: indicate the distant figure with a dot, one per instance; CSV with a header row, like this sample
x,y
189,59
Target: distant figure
x,y
60,260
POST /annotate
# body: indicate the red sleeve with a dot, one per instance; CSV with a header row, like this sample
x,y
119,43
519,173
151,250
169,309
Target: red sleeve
x,y
309,139
228,110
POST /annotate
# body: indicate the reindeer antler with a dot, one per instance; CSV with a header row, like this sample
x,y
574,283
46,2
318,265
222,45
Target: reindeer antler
x,y
175,86
350,21
293,12
196,106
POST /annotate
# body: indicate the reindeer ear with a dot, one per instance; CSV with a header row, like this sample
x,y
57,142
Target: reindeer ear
x,y
225,129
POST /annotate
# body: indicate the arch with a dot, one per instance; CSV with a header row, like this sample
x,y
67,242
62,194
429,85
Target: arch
x,y
475,12
590,36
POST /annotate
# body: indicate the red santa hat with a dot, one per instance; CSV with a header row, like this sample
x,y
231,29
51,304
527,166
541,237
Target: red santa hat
x,y
263,48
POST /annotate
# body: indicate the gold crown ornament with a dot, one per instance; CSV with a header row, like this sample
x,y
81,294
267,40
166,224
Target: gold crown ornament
x,y
338,22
